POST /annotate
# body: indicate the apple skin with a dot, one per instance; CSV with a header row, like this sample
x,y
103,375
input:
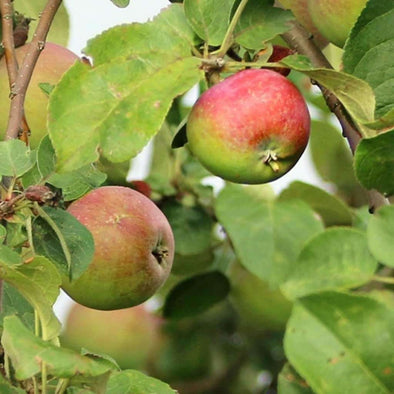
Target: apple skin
x,y
301,12
134,249
250,128
130,336
52,63
279,52
335,18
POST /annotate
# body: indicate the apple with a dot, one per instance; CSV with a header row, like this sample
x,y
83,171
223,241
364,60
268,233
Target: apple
x,y
130,336
335,18
279,52
136,338
52,63
260,307
251,127
134,249
301,12
142,187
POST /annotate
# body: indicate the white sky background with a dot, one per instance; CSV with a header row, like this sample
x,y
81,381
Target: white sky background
x,y
89,18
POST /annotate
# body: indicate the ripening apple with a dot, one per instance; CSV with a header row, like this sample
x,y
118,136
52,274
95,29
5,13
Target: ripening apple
x,y
335,18
134,248
251,127
52,63
130,336
301,12
279,52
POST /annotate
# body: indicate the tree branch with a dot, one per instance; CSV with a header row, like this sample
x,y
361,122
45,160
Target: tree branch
x,y
18,89
9,45
19,79
301,41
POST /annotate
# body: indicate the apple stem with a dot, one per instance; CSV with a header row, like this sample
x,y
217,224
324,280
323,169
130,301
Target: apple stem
x,y
270,158
228,39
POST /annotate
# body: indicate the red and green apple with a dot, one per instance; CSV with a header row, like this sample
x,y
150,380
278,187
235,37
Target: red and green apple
x,y
134,248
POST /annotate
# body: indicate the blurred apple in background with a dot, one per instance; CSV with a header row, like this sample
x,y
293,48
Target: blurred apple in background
x,y
301,12
335,18
52,63
130,336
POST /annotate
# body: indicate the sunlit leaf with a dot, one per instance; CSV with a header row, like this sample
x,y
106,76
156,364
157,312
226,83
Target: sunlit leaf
x,y
339,341
27,353
337,258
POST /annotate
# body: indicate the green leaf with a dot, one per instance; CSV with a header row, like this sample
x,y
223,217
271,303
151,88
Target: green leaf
x,y
332,210
259,307
192,227
16,234
5,386
289,382
46,159
260,22
374,163
46,87
267,236
16,158
161,169
209,19
44,164
38,282
27,353
3,233
333,159
121,3
339,342
380,235
190,264
167,37
355,94
77,183
13,303
383,123
59,31
76,237
362,217
368,52
180,138
338,258
136,382
118,105
196,295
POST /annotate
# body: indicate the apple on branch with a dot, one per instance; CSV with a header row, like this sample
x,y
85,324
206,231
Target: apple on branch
x,y
249,128
335,18
134,248
300,10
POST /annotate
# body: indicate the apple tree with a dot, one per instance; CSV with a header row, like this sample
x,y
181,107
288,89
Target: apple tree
x,y
286,291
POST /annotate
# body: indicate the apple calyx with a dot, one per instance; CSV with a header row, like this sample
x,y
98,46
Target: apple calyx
x,y
160,253
270,158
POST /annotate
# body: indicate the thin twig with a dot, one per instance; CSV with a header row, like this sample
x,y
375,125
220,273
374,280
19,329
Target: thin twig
x,y
228,38
37,44
300,40
7,12
384,279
